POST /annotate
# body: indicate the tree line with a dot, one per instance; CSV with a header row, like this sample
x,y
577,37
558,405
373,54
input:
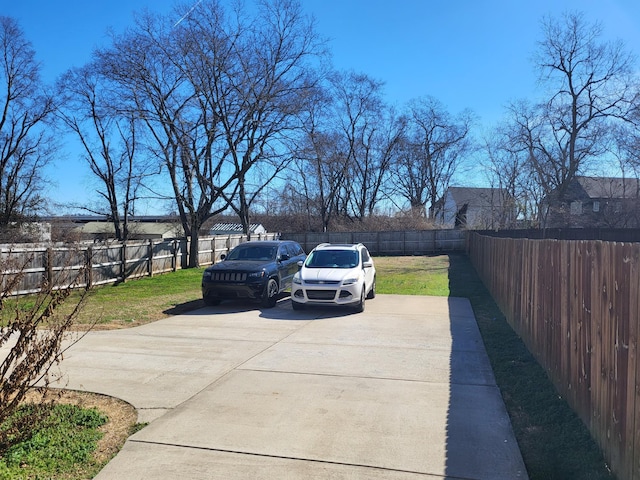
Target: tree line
x,y
239,110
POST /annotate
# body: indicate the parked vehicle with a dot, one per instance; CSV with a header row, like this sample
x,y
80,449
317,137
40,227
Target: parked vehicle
x,y
257,270
335,274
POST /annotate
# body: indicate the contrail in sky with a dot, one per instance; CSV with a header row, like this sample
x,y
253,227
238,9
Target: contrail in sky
x,y
187,14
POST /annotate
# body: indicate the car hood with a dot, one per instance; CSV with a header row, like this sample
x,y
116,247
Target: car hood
x,y
327,274
239,265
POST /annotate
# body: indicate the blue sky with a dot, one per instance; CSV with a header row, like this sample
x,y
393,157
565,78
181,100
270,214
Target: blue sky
x,y
472,54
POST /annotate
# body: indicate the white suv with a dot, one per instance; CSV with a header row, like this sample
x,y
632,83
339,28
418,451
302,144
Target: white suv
x,y
335,274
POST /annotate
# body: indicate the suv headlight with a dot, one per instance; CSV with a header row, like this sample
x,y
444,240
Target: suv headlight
x,y
297,280
259,274
350,281
206,275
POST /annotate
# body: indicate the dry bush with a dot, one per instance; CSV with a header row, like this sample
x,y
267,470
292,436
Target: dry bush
x,y
33,338
376,223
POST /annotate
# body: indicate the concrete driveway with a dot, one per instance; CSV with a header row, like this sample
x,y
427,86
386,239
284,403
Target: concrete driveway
x,y
401,391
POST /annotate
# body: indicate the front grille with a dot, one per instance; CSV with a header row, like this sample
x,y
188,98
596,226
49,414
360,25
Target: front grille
x,y
322,282
321,294
228,277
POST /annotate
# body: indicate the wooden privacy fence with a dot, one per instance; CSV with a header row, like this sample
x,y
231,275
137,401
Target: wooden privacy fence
x,y
575,305
416,242
87,265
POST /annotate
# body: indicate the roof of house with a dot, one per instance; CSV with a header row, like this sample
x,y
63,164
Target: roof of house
x,y
135,228
609,187
477,197
235,227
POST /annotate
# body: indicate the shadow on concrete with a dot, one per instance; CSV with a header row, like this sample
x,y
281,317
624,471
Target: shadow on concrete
x,y
456,455
478,428
282,311
186,308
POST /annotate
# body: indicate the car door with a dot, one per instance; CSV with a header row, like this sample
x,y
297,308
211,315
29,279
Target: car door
x,y
286,266
369,272
296,254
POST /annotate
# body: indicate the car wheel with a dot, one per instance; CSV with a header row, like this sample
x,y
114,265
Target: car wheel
x,y
360,304
297,305
372,292
211,302
270,295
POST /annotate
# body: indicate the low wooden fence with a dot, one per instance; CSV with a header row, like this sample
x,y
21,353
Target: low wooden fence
x,y
31,267
210,249
416,242
576,305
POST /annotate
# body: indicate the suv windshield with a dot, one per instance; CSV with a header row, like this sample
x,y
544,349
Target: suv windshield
x,y
254,252
332,259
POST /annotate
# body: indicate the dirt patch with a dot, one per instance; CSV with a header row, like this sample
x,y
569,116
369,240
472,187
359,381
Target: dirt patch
x,y
122,417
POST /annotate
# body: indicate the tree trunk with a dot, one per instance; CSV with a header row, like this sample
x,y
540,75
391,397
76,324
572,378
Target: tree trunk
x,y
194,261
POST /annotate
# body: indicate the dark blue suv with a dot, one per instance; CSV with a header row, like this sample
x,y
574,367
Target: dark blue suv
x,y
258,270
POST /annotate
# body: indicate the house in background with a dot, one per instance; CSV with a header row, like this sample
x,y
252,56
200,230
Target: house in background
x,y
236,229
595,202
97,230
26,232
476,208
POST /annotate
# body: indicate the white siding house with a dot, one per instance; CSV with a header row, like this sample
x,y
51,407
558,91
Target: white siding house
x,y
475,208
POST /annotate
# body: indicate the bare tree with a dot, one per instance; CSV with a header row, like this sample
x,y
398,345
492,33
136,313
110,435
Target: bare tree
x,y
272,78
507,169
370,132
25,144
149,64
433,149
217,92
345,154
589,85
318,171
625,147
107,133
320,174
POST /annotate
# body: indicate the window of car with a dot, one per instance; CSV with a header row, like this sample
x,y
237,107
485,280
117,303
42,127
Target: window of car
x,y
290,250
253,252
295,249
332,259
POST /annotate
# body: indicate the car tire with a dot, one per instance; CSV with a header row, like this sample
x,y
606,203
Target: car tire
x,y
297,305
372,292
360,304
270,296
211,302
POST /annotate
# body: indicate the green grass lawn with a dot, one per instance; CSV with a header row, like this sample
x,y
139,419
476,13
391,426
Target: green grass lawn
x,y
554,442
61,447
413,275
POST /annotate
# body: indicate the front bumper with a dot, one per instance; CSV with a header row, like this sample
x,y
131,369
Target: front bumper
x,y
222,291
329,295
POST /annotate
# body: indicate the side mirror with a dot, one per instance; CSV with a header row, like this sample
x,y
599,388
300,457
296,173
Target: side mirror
x,y
367,265
284,257
223,256
300,263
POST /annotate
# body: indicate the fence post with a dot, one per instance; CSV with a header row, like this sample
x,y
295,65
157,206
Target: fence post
x,y
123,262
150,256
174,260
88,263
48,268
